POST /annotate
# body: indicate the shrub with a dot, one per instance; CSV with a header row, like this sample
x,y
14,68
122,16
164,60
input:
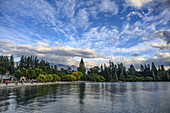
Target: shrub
x,y
69,78
149,79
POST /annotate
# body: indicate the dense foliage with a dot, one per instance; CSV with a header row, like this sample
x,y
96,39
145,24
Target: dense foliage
x,y
33,68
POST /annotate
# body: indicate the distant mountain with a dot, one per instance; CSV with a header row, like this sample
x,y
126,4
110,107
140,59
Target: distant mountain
x,y
59,66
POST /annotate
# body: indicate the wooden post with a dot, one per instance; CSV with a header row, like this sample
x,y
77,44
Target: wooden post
x,y
26,75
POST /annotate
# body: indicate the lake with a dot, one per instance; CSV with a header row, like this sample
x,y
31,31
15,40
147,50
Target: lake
x,y
89,97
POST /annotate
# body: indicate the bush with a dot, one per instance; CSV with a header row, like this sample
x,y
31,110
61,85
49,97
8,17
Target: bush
x,y
56,77
49,77
78,75
96,78
139,79
149,79
130,78
41,78
69,78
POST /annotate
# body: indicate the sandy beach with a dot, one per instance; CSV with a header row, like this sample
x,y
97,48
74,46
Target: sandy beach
x,y
37,84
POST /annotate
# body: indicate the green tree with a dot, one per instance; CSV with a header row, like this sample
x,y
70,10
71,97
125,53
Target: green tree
x,y
115,77
149,79
153,75
83,71
78,75
49,77
18,74
56,77
39,71
68,78
130,78
167,76
23,70
132,71
31,73
41,78
11,68
42,65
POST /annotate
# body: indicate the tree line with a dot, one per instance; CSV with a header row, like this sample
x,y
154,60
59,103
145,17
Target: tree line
x,y
33,68
118,72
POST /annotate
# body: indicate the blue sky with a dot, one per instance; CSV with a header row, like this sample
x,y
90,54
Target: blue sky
x,y
128,31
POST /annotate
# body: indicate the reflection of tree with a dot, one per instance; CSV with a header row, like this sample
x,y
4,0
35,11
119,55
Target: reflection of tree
x,y
4,96
40,94
81,94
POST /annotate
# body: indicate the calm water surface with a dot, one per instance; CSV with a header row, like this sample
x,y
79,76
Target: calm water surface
x,y
127,97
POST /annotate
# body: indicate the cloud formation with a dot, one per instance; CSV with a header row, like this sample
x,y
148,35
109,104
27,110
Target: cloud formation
x,y
56,54
161,46
138,3
61,31
164,34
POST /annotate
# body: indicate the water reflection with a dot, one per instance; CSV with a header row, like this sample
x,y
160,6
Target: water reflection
x,y
128,97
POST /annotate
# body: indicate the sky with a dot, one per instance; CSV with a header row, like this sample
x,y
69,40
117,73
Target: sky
x,y
64,31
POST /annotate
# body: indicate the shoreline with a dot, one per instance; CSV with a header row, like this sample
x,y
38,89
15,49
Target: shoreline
x,y
12,85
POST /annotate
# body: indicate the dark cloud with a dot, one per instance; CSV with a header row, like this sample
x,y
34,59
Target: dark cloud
x,y
135,54
164,34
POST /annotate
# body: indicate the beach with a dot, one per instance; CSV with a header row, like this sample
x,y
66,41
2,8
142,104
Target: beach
x,y
38,84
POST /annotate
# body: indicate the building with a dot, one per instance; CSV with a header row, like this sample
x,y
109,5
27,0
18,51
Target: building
x,y
16,64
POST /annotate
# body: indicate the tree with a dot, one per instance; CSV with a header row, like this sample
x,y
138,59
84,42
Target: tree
x,y
115,77
42,65
78,75
153,75
49,77
167,76
122,77
11,68
153,69
149,79
31,73
21,62
69,70
39,71
81,63
23,70
132,71
41,78
83,71
18,74
130,78
56,77
68,78
36,62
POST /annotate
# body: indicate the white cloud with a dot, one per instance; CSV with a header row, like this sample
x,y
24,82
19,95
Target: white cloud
x,y
55,54
138,3
42,44
145,39
161,46
108,6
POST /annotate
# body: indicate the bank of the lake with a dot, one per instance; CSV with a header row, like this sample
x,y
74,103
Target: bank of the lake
x,y
39,83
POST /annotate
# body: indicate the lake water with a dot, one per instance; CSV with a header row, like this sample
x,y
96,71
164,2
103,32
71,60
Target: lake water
x,y
126,97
